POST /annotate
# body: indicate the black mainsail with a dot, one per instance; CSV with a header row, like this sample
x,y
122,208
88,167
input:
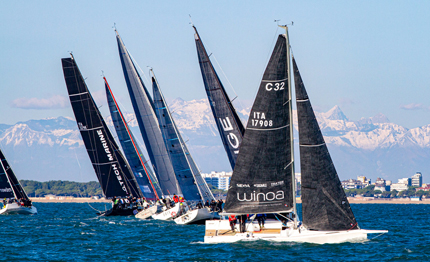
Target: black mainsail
x,y
112,170
193,186
229,125
142,171
144,109
9,184
324,203
262,179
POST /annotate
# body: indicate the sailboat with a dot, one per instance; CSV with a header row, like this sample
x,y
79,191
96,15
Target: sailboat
x,y
263,180
150,130
15,200
113,172
229,125
146,179
193,186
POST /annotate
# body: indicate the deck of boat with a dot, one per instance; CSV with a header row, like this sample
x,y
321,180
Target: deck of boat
x,y
212,232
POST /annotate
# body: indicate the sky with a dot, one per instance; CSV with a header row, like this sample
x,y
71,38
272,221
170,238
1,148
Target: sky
x,y
368,57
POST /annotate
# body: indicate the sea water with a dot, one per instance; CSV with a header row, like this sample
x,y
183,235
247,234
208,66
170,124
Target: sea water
x,y
73,232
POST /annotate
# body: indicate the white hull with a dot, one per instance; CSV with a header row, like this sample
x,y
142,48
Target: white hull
x,y
168,214
219,231
14,208
196,216
146,213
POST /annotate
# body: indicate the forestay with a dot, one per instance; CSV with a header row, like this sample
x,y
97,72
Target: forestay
x,y
228,122
261,181
148,124
113,172
324,203
142,171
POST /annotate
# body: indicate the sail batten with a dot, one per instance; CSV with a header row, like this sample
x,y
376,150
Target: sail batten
x,y
260,182
229,125
112,170
324,203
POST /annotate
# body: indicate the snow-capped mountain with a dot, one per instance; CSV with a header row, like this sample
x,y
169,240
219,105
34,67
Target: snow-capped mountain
x,y
52,149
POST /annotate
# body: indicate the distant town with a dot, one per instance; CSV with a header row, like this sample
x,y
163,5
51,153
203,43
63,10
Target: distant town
x,y
362,187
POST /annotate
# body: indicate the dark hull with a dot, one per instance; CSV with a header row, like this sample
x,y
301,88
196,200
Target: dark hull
x,y
118,212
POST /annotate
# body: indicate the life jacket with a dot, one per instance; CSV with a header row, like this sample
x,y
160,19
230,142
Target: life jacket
x,y
176,199
231,218
181,199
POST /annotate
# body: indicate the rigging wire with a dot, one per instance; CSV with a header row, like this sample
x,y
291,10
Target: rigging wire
x,y
80,173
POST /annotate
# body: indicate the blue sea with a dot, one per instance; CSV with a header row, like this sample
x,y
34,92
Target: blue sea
x,y
73,232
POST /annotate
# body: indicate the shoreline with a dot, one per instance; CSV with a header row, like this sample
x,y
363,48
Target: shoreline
x,y
68,200
351,200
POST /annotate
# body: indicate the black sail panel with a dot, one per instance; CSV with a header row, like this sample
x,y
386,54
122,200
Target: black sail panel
x,y
324,203
228,122
111,169
9,184
143,174
175,147
148,123
261,180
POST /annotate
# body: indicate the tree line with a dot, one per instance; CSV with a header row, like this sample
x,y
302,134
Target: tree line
x,y
370,191
61,188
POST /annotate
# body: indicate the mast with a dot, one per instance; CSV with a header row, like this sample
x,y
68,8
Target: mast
x,y
290,103
180,156
131,150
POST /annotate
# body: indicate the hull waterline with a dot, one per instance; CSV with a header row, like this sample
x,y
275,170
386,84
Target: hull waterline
x,y
168,214
196,216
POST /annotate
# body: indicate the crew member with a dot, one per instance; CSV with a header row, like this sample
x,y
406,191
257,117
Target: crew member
x,y
232,219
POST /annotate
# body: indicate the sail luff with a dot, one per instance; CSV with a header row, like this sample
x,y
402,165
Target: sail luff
x,y
111,169
229,125
261,180
132,153
324,203
148,124
175,146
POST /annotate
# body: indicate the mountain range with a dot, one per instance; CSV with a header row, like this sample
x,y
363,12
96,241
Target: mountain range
x,y
52,149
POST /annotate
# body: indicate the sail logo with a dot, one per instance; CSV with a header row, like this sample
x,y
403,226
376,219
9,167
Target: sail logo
x,y
231,137
259,120
105,144
275,86
5,190
261,197
118,176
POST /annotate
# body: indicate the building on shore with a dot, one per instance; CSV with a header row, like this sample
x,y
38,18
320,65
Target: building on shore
x,y
220,180
401,185
417,180
360,183
381,185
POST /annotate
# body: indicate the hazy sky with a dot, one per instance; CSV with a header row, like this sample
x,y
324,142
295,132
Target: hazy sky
x,y
368,57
